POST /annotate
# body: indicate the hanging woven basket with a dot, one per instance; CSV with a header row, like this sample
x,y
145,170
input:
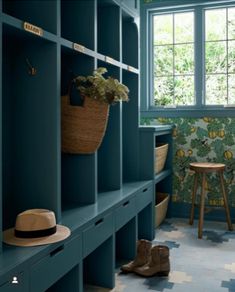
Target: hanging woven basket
x,y
83,127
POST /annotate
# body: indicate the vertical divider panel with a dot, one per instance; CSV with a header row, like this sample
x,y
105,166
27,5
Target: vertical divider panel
x,y
0,129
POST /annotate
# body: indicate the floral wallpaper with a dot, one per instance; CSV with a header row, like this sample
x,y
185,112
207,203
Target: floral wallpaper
x,y
205,139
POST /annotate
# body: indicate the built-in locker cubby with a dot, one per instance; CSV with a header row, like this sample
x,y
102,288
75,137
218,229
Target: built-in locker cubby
x,y
78,171
78,22
30,125
130,119
108,36
130,42
110,153
37,12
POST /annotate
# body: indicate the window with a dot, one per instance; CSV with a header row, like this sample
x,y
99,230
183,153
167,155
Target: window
x,y
192,57
173,59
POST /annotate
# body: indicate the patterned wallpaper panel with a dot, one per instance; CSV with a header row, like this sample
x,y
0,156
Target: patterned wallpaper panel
x,y
205,139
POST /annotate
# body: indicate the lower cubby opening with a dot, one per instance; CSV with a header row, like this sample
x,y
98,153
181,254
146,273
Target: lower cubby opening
x,y
71,282
165,186
30,125
109,153
98,267
146,223
125,242
78,171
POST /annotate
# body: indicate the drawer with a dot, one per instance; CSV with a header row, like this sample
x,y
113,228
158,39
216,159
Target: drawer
x,y
144,197
97,233
124,213
15,283
57,263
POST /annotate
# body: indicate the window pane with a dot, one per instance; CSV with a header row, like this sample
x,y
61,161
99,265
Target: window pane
x,y
184,90
231,23
231,89
184,59
216,89
163,91
163,60
216,61
184,23
215,24
231,56
163,29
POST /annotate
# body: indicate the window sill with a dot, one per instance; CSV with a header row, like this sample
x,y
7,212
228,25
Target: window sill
x,y
188,112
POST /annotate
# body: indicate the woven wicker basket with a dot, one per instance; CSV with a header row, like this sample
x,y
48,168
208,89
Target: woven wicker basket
x,y
83,127
160,157
161,206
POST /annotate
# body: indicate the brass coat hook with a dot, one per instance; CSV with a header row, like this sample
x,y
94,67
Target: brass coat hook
x,y
31,70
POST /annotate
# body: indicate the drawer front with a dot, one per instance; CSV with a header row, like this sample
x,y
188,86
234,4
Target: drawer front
x,y
97,233
124,213
144,197
16,283
49,269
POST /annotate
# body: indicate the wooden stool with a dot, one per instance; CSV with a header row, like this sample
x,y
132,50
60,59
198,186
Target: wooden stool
x,y
203,168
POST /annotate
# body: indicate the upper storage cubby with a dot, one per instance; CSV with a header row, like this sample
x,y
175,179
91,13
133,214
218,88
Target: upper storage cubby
x,y
37,12
78,22
130,44
108,18
30,124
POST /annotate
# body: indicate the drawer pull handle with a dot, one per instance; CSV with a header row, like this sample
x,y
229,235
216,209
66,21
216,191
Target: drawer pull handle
x,y
57,250
126,203
145,190
99,221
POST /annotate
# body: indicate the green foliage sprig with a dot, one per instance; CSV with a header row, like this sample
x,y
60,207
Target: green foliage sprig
x,y
108,90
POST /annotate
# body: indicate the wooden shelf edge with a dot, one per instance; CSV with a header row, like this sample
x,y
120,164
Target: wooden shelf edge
x,y
162,175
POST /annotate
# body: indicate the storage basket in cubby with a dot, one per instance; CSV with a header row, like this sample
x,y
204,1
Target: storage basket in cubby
x,y
161,206
160,157
83,127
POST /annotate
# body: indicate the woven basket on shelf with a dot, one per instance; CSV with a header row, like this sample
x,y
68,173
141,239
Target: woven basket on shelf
x,y
83,127
160,157
161,206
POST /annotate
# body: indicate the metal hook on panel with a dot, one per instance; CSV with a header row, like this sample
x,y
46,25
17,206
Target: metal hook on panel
x,y
31,70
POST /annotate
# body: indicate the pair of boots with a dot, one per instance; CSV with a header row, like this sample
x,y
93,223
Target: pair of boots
x,y
149,260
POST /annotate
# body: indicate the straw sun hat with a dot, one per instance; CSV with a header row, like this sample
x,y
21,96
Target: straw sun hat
x,y
35,227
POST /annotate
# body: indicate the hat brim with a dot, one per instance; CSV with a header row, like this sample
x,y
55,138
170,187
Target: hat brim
x,y
62,232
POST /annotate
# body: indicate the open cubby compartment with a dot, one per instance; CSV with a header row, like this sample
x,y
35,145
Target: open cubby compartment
x,y
125,242
146,223
130,120
108,35
37,12
110,153
98,267
79,182
70,282
130,43
166,139
30,125
78,22
165,186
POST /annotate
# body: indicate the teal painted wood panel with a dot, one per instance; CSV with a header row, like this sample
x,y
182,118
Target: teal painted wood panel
x,y
125,212
18,284
1,133
40,13
78,14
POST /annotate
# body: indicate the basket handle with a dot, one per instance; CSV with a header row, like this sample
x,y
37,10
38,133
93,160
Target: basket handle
x,y
68,96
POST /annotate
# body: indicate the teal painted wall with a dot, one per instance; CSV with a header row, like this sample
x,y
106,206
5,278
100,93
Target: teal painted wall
x,y
201,139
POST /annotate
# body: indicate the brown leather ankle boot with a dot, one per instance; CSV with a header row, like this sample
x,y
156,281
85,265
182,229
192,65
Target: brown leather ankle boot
x,y
142,256
159,263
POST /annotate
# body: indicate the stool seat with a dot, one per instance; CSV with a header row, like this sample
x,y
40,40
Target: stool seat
x,y
203,168
207,166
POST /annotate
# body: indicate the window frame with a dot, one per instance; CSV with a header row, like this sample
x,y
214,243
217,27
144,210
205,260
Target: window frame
x,y
200,108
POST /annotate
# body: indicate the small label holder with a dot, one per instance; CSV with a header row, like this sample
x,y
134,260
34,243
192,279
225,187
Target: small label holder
x,y
79,48
109,60
33,29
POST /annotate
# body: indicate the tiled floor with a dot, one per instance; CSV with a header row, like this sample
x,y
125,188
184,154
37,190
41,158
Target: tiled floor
x,y
197,265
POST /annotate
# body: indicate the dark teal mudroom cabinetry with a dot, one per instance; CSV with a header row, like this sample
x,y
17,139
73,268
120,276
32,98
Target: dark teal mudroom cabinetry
x,y
102,197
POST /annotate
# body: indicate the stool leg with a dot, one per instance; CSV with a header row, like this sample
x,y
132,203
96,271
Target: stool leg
x,y
193,199
202,203
230,227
